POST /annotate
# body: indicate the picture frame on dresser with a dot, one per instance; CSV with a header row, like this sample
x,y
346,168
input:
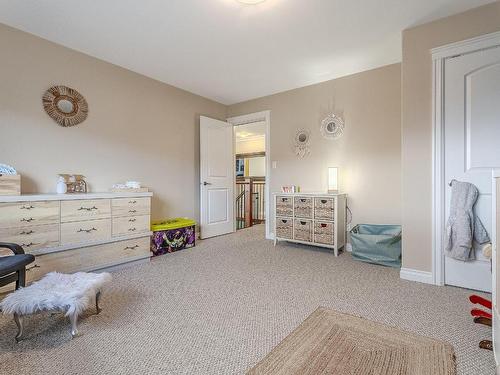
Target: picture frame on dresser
x,y
77,232
316,219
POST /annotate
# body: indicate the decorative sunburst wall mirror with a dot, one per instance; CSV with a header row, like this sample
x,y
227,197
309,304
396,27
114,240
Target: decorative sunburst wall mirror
x,y
65,105
332,127
302,142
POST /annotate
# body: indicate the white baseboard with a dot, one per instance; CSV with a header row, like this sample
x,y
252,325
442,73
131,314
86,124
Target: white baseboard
x,y
416,275
270,237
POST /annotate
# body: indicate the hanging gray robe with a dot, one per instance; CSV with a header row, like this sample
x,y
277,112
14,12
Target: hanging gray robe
x,y
463,225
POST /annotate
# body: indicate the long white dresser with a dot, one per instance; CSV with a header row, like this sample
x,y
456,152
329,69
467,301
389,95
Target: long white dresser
x,y
77,232
311,218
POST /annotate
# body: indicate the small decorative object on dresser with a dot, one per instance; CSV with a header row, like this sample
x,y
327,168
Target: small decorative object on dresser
x,y
10,181
311,218
77,232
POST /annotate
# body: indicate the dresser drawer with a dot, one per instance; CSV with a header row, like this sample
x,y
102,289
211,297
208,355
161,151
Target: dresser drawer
x,y
302,230
103,255
131,206
284,206
14,215
32,238
324,208
85,231
63,261
284,227
303,207
126,225
78,210
323,232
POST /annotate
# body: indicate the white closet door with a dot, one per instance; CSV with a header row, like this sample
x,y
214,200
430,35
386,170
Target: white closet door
x,y
472,147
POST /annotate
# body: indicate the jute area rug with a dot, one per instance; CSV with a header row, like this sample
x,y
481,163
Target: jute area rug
x,y
329,342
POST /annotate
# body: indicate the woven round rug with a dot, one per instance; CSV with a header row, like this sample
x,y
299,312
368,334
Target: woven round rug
x,y
329,342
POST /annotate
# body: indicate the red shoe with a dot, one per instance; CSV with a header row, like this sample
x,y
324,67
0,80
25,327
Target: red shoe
x,y
479,312
480,301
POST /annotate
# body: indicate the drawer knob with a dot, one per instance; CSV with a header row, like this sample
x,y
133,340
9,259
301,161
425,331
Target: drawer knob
x,y
24,207
284,221
132,229
303,223
27,233
27,220
86,230
29,269
87,208
323,225
132,202
324,201
284,199
132,220
303,200
132,211
131,247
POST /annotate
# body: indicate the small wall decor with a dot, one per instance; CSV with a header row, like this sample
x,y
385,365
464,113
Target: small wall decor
x,y
332,127
65,105
302,143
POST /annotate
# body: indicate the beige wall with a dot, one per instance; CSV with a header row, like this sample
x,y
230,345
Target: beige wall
x,y
417,122
368,154
137,128
250,146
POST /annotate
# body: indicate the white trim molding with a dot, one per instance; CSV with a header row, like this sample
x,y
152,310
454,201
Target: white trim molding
x,y
264,116
439,56
416,275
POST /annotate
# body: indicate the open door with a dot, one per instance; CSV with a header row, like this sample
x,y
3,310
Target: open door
x,y
216,177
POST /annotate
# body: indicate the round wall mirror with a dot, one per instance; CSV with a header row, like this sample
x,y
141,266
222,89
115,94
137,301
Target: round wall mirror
x,y
332,127
301,143
65,105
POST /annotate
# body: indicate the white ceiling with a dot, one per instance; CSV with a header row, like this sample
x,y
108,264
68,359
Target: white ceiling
x,y
227,51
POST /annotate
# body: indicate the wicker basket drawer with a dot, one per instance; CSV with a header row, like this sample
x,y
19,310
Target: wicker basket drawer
x,y
323,232
284,228
302,230
284,206
303,207
324,208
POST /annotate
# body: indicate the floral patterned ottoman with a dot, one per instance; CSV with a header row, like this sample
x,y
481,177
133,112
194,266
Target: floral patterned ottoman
x,y
172,235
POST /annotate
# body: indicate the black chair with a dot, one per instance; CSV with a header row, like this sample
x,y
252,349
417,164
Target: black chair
x,y
13,268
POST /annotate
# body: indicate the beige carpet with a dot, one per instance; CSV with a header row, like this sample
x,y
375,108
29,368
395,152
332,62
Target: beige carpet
x,y
223,306
328,342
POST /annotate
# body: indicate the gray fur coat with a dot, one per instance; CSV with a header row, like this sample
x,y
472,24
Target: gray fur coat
x,y
463,225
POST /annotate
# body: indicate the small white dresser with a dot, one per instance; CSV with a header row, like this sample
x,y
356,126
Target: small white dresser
x,y
77,232
311,218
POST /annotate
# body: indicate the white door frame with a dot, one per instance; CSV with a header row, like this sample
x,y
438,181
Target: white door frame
x,y
439,55
248,119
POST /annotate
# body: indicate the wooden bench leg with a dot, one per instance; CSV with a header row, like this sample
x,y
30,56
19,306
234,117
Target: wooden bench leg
x,y
20,326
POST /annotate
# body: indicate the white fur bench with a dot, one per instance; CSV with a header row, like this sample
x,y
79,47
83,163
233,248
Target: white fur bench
x,y
71,294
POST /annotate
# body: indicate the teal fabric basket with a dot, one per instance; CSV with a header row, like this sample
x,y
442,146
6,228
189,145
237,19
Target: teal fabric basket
x,y
378,244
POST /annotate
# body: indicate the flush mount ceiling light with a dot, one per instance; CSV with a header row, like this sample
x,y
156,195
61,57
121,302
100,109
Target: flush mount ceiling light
x,y
252,2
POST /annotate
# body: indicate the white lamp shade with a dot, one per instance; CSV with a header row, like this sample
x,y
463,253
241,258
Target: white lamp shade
x,y
333,179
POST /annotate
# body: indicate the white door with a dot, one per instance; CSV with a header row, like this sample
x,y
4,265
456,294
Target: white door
x,y
217,166
472,147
